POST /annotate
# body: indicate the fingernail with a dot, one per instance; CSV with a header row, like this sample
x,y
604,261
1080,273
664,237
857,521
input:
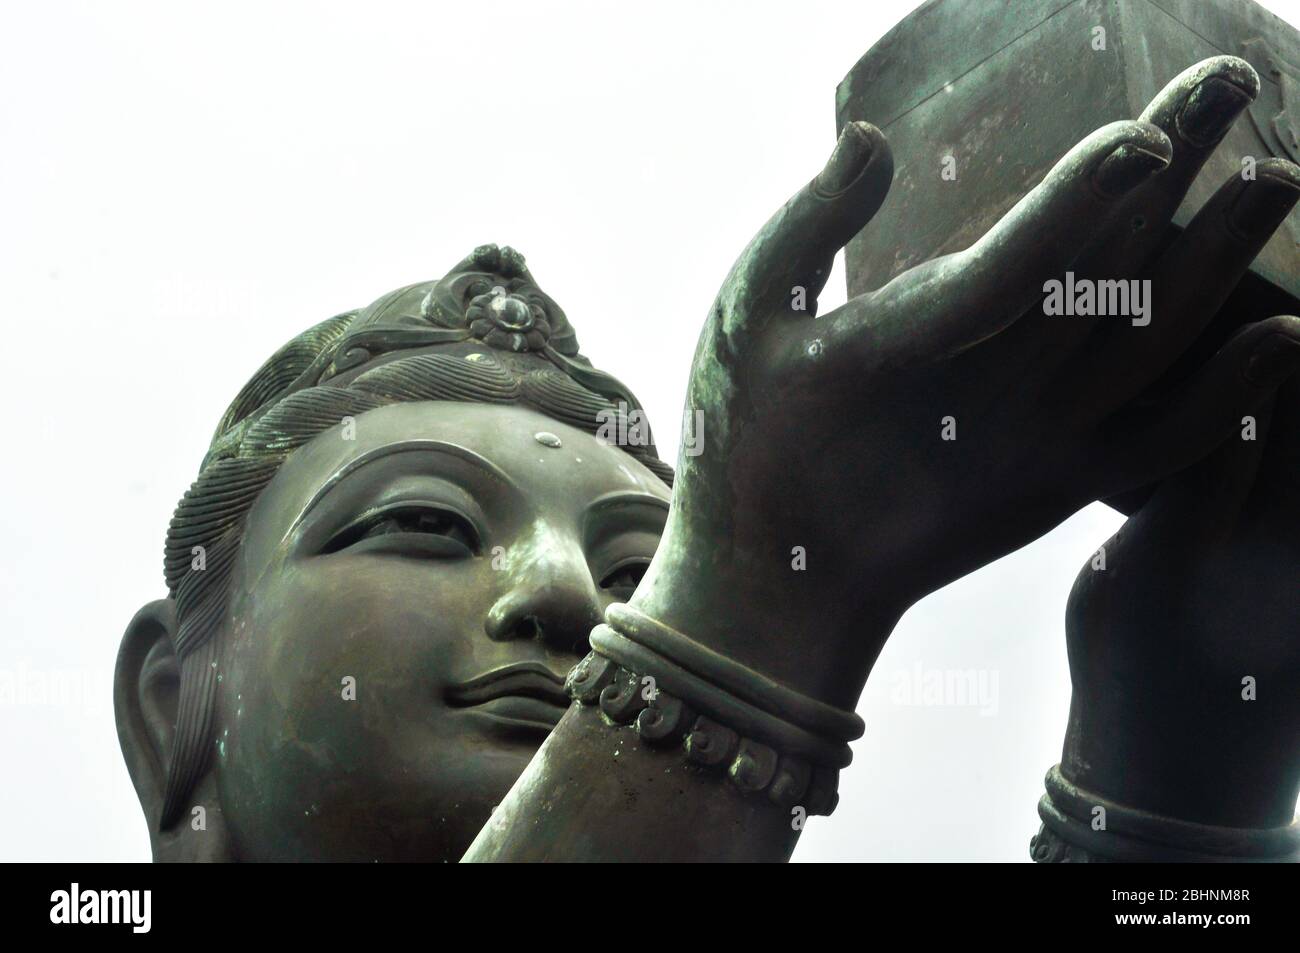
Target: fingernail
x,y
1264,203
851,155
1210,109
1273,360
1126,168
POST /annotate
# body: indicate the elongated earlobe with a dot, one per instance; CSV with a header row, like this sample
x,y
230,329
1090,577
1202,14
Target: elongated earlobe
x,y
146,691
145,688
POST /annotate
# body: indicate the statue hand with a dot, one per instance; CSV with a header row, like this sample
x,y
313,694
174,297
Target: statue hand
x,y
838,468
1183,649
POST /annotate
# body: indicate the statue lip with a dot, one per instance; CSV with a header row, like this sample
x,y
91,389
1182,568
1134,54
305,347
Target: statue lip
x,y
529,679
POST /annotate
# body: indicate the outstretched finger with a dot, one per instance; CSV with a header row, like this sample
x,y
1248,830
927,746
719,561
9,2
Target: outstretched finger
x,y
797,245
950,303
1195,110
1193,278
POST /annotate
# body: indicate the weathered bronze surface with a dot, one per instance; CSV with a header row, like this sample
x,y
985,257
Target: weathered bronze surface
x,y
1209,551
408,523
1005,88
387,585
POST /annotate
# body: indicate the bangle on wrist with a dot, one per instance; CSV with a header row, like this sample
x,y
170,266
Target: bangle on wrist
x,y
1074,829
675,692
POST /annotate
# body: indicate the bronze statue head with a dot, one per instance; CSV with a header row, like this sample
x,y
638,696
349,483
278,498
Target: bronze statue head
x,y
407,523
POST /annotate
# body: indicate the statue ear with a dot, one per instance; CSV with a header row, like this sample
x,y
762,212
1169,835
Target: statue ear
x,y
146,692
146,686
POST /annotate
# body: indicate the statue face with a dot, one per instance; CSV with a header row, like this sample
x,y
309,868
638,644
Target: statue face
x,y
404,611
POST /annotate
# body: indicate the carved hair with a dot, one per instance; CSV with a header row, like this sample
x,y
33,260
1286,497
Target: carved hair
x,y
272,416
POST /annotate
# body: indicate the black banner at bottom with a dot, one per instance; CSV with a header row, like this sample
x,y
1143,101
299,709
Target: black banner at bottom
x,y
306,902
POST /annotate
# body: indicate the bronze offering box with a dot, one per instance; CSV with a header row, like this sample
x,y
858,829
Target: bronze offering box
x,y
1006,88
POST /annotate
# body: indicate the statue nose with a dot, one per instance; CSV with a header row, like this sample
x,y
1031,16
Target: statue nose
x,y
557,606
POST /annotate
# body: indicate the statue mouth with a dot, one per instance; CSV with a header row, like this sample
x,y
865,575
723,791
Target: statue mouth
x,y
522,693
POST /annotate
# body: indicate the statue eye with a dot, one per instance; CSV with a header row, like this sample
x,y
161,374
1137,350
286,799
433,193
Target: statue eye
x,y
621,581
479,286
410,529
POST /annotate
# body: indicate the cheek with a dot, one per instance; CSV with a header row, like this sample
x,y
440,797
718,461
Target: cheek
x,y
333,736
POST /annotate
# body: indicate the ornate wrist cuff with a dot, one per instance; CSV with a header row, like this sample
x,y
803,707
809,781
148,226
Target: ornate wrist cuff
x,y
675,692
1074,830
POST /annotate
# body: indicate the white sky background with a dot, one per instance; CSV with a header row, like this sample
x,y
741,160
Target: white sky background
x,y
185,187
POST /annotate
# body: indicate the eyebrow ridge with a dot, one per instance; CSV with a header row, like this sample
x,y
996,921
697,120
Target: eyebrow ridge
x,y
624,498
404,446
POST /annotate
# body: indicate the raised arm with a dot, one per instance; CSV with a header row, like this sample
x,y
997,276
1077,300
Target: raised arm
x,y
1184,640
838,468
